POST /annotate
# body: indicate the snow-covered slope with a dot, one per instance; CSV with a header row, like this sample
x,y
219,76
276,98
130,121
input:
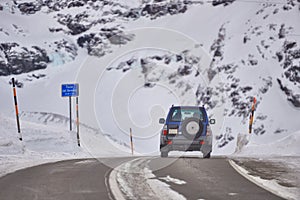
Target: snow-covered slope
x,y
40,144
139,57
46,138
287,146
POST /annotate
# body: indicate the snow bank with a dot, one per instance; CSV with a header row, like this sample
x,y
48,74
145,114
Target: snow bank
x,y
272,186
46,138
288,146
41,144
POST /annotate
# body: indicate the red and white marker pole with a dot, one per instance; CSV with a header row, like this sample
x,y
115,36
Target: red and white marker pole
x,y
77,121
252,115
131,141
16,108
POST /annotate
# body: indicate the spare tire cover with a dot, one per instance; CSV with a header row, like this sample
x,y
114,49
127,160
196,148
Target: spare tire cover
x,y
192,128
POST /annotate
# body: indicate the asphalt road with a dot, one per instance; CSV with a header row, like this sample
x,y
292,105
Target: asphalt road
x,y
63,180
210,179
88,180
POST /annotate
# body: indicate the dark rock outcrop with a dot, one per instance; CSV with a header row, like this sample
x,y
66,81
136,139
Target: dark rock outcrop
x,y
222,2
18,59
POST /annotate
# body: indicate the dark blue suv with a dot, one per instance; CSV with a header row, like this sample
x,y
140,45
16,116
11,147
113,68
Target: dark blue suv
x,y
186,129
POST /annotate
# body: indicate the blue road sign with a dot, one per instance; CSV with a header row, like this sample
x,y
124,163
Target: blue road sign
x,y
69,90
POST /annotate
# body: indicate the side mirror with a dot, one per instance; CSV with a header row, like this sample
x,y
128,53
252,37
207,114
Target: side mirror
x,y
212,121
162,121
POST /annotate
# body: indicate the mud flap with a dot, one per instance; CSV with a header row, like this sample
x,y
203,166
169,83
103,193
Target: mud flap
x,y
206,148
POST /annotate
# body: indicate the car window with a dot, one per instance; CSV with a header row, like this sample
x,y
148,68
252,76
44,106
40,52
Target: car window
x,y
189,113
180,114
176,115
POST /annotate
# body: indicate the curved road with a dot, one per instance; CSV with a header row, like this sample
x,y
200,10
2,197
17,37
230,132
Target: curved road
x,y
145,177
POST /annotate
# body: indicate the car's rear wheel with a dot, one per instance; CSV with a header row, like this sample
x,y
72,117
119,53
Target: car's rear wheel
x,y
192,128
164,154
164,151
206,155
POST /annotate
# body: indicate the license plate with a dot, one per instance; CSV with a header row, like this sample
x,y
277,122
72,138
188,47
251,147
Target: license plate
x,y
173,131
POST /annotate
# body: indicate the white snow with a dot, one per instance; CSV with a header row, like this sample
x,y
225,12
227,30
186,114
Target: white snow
x,y
172,180
287,146
134,178
49,141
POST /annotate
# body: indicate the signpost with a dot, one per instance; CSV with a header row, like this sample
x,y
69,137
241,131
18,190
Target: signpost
x,y
72,90
77,121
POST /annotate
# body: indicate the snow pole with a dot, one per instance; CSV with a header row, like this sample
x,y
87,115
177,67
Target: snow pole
x,y
252,115
131,141
16,108
77,121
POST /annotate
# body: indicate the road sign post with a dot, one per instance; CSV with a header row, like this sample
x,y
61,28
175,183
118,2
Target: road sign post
x,y
77,121
70,112
70,90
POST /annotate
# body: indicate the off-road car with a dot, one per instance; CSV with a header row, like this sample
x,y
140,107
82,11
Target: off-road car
x,y
186,128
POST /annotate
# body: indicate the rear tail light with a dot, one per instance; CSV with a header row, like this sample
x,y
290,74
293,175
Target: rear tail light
x,y
202,142
165,130
169,142
208,131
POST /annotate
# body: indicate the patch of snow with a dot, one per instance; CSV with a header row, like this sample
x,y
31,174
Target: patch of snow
x,y
172,180
46,138
84,162
163,190
272,186
287,146
134,178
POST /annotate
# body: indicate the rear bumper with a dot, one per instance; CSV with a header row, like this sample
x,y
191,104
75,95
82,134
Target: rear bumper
x,y
203,144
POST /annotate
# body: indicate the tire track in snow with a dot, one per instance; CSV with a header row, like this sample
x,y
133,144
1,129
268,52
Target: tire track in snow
x,y
134,180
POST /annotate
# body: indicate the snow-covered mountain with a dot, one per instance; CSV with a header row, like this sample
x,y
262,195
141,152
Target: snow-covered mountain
x,y
134,59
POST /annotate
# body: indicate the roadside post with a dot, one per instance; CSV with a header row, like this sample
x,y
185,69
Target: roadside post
x,y
70,112
72,90
77,121
16,108
131,141
252,115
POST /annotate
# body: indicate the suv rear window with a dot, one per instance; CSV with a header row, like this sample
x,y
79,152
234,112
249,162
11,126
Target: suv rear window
x,y
180,114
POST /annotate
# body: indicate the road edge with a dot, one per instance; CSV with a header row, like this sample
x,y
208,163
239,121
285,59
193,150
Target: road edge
x,y
245,174
116,193
113,186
